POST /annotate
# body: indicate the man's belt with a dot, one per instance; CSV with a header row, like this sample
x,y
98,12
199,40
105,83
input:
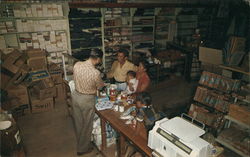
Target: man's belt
x,y
119,81
85,93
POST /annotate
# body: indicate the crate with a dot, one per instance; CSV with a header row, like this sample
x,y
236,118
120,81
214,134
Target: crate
x,y
38,105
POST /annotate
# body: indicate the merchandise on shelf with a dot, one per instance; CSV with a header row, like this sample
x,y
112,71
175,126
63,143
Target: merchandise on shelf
x,y
213,120
212,99
51,41
35,26
237,138
38,10
240,113
219,82
85,31
7,26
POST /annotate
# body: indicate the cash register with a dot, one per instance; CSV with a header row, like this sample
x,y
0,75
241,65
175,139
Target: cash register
x,y
178,137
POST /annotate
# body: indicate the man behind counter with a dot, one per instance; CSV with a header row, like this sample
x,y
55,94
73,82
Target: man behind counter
x,y
119,69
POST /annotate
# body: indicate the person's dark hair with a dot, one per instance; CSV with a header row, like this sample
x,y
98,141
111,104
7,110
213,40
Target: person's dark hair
x,y
124,51
96,53
145,98
131,73
144,63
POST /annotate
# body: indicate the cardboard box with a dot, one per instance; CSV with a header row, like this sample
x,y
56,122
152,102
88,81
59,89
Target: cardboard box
x,y
4,80
41,91
13,61
37,63
57,77
38,75
60,94
209,55
19,92
38,105
35,53
19,76
47,82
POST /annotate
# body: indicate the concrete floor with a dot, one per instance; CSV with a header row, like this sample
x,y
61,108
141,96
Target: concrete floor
x,y
50,134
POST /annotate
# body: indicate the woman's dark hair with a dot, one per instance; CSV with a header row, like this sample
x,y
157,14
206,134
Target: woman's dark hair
x,y
132,73
145,98
124,51
96,53
144,63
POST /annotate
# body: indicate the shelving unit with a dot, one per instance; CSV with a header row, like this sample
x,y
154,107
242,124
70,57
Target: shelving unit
x,y
236,69
31,25
86,31
165,27
231,142
117,33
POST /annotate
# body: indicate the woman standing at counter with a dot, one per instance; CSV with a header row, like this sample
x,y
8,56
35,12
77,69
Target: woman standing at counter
x,y
142,77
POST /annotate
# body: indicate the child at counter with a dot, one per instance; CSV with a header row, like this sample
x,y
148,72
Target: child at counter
x,y
132,82
143,111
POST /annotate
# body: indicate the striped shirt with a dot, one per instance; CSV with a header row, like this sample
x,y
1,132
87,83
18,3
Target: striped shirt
x,y
87,78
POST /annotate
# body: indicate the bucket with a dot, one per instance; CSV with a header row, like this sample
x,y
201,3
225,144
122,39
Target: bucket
x,y
10,138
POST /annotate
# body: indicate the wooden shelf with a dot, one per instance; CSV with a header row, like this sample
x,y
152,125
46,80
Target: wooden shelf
x,y
144,41
84,18
237,122
117,36
8,33
83,48
82,4
34,18
231,147
142,25
121,26
236,69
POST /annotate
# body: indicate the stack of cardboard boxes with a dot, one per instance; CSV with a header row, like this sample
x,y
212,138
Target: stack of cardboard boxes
x,y
32,84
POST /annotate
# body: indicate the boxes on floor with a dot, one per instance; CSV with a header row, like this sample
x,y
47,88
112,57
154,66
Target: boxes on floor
x,y
60,93
56,73
14,61
19,76
36,59
4,80
38,105
20,92
37,63
56,77
43,90
38,75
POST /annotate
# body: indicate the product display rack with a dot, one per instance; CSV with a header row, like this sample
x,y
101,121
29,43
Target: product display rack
x,y
36,25
86,31
117,33
227,141
165,18
133,29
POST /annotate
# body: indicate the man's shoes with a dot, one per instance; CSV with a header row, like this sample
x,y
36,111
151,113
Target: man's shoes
x,y
88,151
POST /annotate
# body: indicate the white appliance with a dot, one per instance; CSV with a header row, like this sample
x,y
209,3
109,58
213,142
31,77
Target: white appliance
x,y
177,137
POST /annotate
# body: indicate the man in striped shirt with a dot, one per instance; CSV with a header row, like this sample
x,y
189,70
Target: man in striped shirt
x,y
87,81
